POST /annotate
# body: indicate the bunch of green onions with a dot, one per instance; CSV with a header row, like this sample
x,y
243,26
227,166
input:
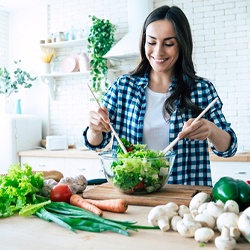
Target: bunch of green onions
x,y
75,218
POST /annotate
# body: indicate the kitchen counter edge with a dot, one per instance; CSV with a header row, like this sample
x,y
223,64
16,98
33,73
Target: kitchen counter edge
x,y
88,154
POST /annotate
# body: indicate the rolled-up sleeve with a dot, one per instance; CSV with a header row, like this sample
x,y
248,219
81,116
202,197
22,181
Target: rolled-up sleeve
x,y
103,144
231,150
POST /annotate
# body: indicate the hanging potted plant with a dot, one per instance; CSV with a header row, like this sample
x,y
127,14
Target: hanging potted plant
x,y
100,41
10,84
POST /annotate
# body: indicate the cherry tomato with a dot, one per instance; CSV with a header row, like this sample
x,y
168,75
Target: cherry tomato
x,y
140,185
129,149
60,192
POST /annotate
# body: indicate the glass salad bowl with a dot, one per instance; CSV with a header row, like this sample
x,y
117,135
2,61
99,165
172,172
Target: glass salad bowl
x,y
141,172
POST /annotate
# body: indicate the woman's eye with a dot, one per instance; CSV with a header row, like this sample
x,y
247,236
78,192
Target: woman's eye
x,y
169,44
151,43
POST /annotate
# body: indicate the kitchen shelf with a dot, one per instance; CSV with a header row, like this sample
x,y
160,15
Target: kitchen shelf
x,y
64,44
65,74
49,79
55,75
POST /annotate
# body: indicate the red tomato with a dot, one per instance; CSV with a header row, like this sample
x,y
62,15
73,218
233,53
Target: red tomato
x,y
140,185
129,149
61,192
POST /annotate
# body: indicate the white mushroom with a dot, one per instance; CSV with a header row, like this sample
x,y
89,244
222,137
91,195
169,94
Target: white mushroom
x,y
194,213
206,219
173,206
215,208
183,209
203,234
247,211
231,206
174,221
187,226
161,216
244,225
197,200
229,220
225,241
202,207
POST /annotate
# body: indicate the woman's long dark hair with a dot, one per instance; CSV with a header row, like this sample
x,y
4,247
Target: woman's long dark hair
x,y
184,68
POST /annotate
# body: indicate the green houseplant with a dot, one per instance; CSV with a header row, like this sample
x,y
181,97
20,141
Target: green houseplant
x,y
11,84
100,41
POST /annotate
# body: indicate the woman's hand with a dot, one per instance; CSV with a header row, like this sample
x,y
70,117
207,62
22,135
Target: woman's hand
x,y
98,123
199,130
99,120
204,129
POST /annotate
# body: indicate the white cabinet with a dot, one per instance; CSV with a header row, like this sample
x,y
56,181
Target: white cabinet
x,y
70,167
237,170
90,168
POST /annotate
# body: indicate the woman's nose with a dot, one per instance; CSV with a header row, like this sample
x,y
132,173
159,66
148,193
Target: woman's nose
x,y
158,49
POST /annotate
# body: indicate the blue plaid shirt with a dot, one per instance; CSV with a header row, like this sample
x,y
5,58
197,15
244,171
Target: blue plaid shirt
x,y
126,102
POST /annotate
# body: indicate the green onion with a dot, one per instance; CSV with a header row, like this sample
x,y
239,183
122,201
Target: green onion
x,y
80,219
75,218
45,215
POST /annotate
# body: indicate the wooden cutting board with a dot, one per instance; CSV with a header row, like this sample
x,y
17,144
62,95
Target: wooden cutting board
x,y
180,194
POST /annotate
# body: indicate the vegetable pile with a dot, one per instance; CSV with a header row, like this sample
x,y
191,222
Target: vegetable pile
x,y
140,170
21,191
226,211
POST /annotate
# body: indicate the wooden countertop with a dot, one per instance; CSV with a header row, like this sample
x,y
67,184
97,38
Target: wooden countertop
x,y
33,233
70,153
238,157
76,153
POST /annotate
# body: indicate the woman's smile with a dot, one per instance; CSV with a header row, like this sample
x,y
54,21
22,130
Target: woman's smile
x,y
159,61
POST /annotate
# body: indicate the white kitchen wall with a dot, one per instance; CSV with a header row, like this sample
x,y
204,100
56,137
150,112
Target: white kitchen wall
x,y
4,35
69,110
221,36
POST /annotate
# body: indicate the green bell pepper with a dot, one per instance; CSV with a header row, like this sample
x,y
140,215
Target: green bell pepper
x,y
228,188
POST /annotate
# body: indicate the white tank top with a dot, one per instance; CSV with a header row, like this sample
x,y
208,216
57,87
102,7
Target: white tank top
x,y
155,129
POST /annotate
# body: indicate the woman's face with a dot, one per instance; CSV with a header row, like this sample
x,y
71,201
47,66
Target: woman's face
x,y
161,47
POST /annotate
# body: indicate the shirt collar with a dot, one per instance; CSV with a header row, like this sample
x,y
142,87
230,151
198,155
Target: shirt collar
x,y
143,81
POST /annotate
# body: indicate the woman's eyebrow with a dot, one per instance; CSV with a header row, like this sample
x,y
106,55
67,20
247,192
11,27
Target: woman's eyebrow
x,y
165,39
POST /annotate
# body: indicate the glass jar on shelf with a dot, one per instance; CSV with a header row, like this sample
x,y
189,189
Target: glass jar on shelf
x,y
48,39
53,37
56,65
60,37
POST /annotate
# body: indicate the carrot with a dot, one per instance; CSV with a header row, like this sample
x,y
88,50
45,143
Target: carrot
x,y
78,201
111,205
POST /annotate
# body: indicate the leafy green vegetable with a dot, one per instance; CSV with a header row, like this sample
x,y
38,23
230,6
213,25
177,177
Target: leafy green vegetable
x,y
32,208
140,168
18,188
129,146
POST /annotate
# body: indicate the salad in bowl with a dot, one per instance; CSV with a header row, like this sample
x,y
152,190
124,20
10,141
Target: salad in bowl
x,y
139,171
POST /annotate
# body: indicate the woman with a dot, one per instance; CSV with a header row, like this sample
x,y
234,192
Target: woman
x,y
159,100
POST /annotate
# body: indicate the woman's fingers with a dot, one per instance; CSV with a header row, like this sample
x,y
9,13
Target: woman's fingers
x,y
99,120
199,130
